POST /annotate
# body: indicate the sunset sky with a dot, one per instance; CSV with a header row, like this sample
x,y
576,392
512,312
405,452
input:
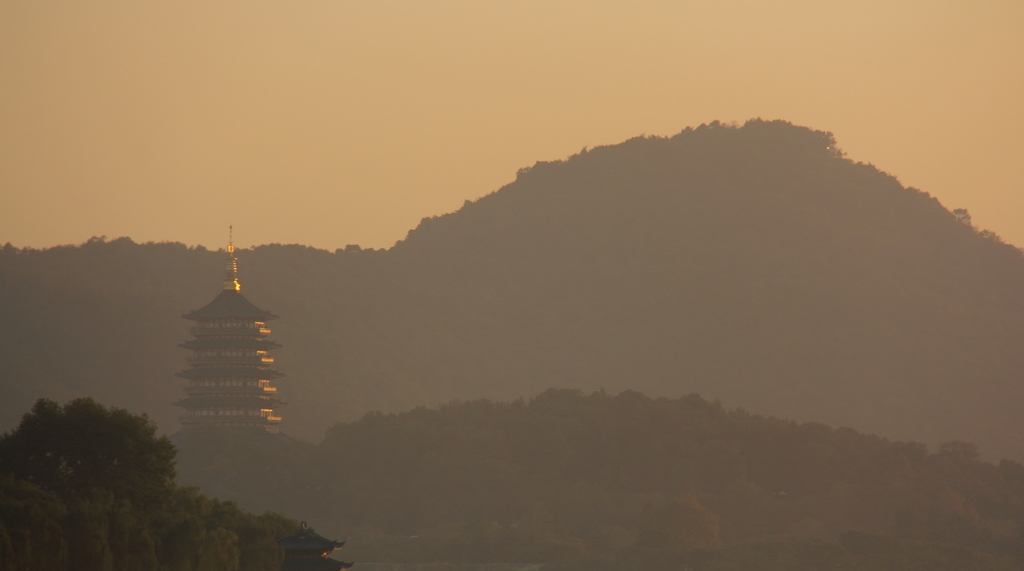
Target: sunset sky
x,y
330,123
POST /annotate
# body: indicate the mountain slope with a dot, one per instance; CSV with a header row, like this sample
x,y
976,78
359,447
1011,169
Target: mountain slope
x,y
754,265
565,474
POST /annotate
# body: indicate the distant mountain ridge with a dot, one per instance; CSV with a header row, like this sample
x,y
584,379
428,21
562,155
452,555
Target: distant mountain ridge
x,y
750,264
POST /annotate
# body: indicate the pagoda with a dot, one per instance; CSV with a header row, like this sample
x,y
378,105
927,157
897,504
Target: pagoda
x,y
305,550
229,382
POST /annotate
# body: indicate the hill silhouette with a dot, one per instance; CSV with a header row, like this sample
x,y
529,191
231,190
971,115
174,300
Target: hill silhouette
x,y
750,264
585,481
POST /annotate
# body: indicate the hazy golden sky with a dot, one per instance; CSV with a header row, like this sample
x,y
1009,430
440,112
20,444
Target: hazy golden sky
x,y
335,122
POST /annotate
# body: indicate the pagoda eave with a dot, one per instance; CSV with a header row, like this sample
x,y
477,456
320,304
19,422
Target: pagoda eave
x,y
230,304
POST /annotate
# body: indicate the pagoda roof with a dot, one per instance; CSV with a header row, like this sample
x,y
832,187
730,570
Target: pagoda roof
x,y
228,373
233,342
305,539
230,303
229,400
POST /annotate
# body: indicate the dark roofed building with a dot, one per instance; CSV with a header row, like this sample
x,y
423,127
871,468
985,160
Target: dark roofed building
x,y
305,550
229,382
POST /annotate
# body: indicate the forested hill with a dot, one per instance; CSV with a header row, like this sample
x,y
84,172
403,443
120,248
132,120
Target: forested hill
x,y
591,480
754,265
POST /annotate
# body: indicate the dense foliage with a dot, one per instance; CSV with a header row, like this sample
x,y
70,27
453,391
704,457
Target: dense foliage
x,y
87,488
83,447
753,264
633,482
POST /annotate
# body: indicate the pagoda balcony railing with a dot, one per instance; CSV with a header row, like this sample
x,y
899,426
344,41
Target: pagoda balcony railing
x,y
201,331
232,391
248,361
229,420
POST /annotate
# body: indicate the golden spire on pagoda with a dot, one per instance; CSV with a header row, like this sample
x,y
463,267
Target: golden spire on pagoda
x,y
231,266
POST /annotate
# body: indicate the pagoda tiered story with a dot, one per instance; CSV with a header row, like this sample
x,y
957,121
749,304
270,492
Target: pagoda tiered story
x,y
230,379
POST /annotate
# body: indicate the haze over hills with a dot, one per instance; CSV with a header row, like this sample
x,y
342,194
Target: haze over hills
x,y
750,264
624,482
